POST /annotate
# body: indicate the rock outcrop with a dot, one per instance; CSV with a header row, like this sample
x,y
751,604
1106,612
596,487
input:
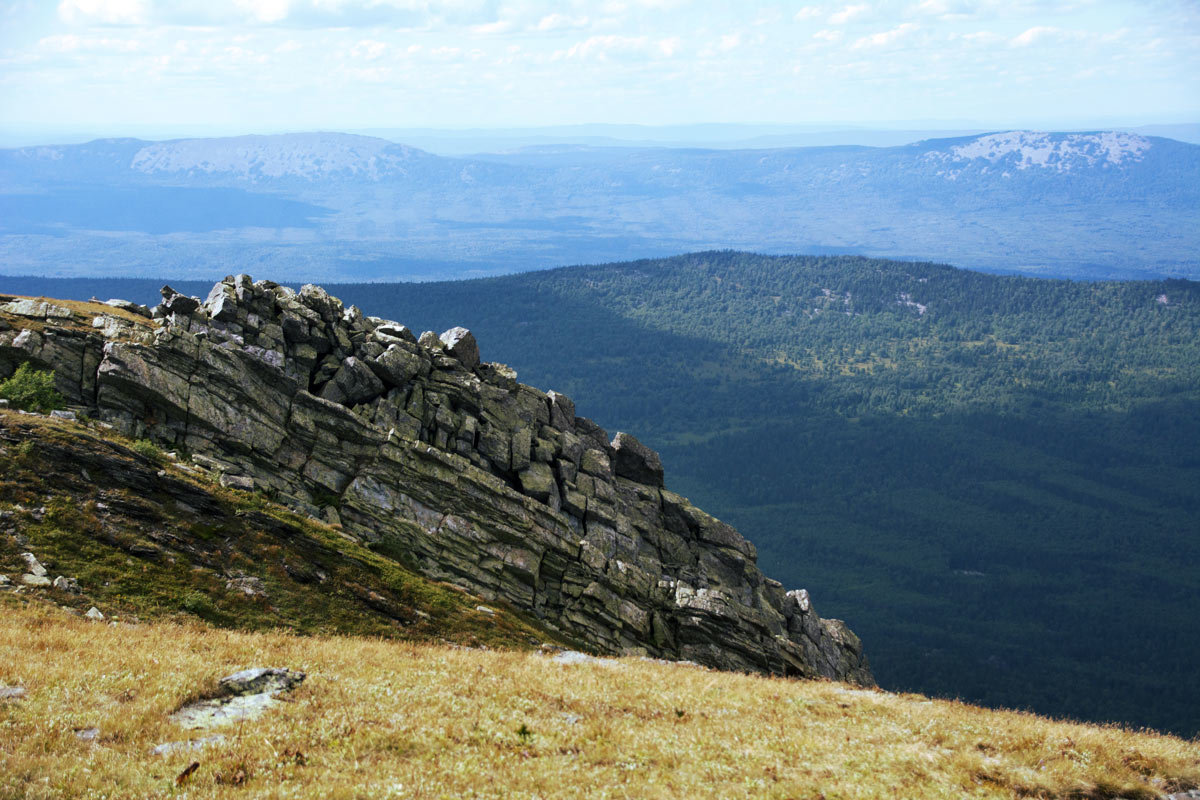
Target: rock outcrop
x,y
417,447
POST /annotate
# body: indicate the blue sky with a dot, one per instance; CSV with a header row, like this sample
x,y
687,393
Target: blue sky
x,y
268,65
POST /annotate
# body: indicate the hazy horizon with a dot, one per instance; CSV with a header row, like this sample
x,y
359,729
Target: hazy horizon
x,y
124,67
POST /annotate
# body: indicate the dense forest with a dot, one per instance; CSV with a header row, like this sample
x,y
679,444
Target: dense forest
x,y
995,480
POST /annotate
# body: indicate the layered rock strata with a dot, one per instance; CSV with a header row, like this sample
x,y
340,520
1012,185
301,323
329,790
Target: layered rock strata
x,y
416,446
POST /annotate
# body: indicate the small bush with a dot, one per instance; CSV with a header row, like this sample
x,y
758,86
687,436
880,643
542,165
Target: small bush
x,y
32,390
147,448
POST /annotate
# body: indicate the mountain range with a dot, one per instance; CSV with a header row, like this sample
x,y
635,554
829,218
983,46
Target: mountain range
x,y
338,207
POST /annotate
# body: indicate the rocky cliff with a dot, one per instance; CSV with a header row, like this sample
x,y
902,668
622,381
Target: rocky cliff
x,y
423,451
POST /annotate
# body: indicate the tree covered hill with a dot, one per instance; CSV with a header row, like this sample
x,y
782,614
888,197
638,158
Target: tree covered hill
x,y
994,480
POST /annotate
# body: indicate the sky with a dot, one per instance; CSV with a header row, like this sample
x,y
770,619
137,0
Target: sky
x,y
273,65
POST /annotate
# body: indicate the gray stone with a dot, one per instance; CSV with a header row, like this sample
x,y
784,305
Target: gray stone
x,y
176,303
68,585
35,580
130,306
4,581
94,613
562,411
237,482
33,565
537,481
12,692
249,585
397,365
58,413
635,461
87,734
245,696
270,680
354,383
395,331
37,309
461,344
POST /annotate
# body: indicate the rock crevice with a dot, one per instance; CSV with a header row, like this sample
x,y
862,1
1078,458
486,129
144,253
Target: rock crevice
x,y
418,447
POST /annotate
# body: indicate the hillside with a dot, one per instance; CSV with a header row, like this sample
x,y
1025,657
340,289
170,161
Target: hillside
x,y
434,459
142,535
990,478
336,207
383,719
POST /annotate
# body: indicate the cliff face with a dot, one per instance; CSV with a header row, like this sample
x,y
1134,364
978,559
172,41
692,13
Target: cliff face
x,y
428,454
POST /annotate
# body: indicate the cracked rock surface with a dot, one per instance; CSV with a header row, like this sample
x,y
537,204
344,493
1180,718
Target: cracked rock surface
x,y
416,446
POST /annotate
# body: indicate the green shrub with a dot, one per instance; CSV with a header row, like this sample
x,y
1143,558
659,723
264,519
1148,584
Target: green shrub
x,y
147,448
32,390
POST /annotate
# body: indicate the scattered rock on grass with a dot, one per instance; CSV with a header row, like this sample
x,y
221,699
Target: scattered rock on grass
x,y
12,692
245,695
87,734
167,748
94,613
576,657
35,580
69,585
35,566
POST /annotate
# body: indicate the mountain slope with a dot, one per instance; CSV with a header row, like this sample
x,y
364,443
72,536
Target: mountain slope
x,y
333,206
141,535
432,457
992,478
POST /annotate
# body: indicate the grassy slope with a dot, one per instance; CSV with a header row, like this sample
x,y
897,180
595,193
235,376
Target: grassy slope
x,y
384,719
145,539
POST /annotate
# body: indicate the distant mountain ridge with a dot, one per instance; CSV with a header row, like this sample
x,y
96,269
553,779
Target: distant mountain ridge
x,y
1082,205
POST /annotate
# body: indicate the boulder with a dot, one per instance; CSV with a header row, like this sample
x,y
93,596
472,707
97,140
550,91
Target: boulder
x,y
33,565
353,383
130,306
562,412
397,365
37,309
176,303
461,344
635,461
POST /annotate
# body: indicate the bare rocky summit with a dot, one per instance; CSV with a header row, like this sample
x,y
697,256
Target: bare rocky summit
x,y
420,449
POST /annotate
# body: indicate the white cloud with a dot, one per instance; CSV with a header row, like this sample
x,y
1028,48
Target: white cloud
x,y
848,13
885,38
492,28
558,22
828,35
70,43
602,48
266,10
368,49
103,11
808,12
729,42
1033,34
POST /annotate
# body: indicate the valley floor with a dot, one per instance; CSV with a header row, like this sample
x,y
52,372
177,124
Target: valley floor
x,y
384,719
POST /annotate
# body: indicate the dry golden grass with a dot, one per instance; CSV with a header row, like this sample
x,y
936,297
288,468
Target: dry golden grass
x,y
383,719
